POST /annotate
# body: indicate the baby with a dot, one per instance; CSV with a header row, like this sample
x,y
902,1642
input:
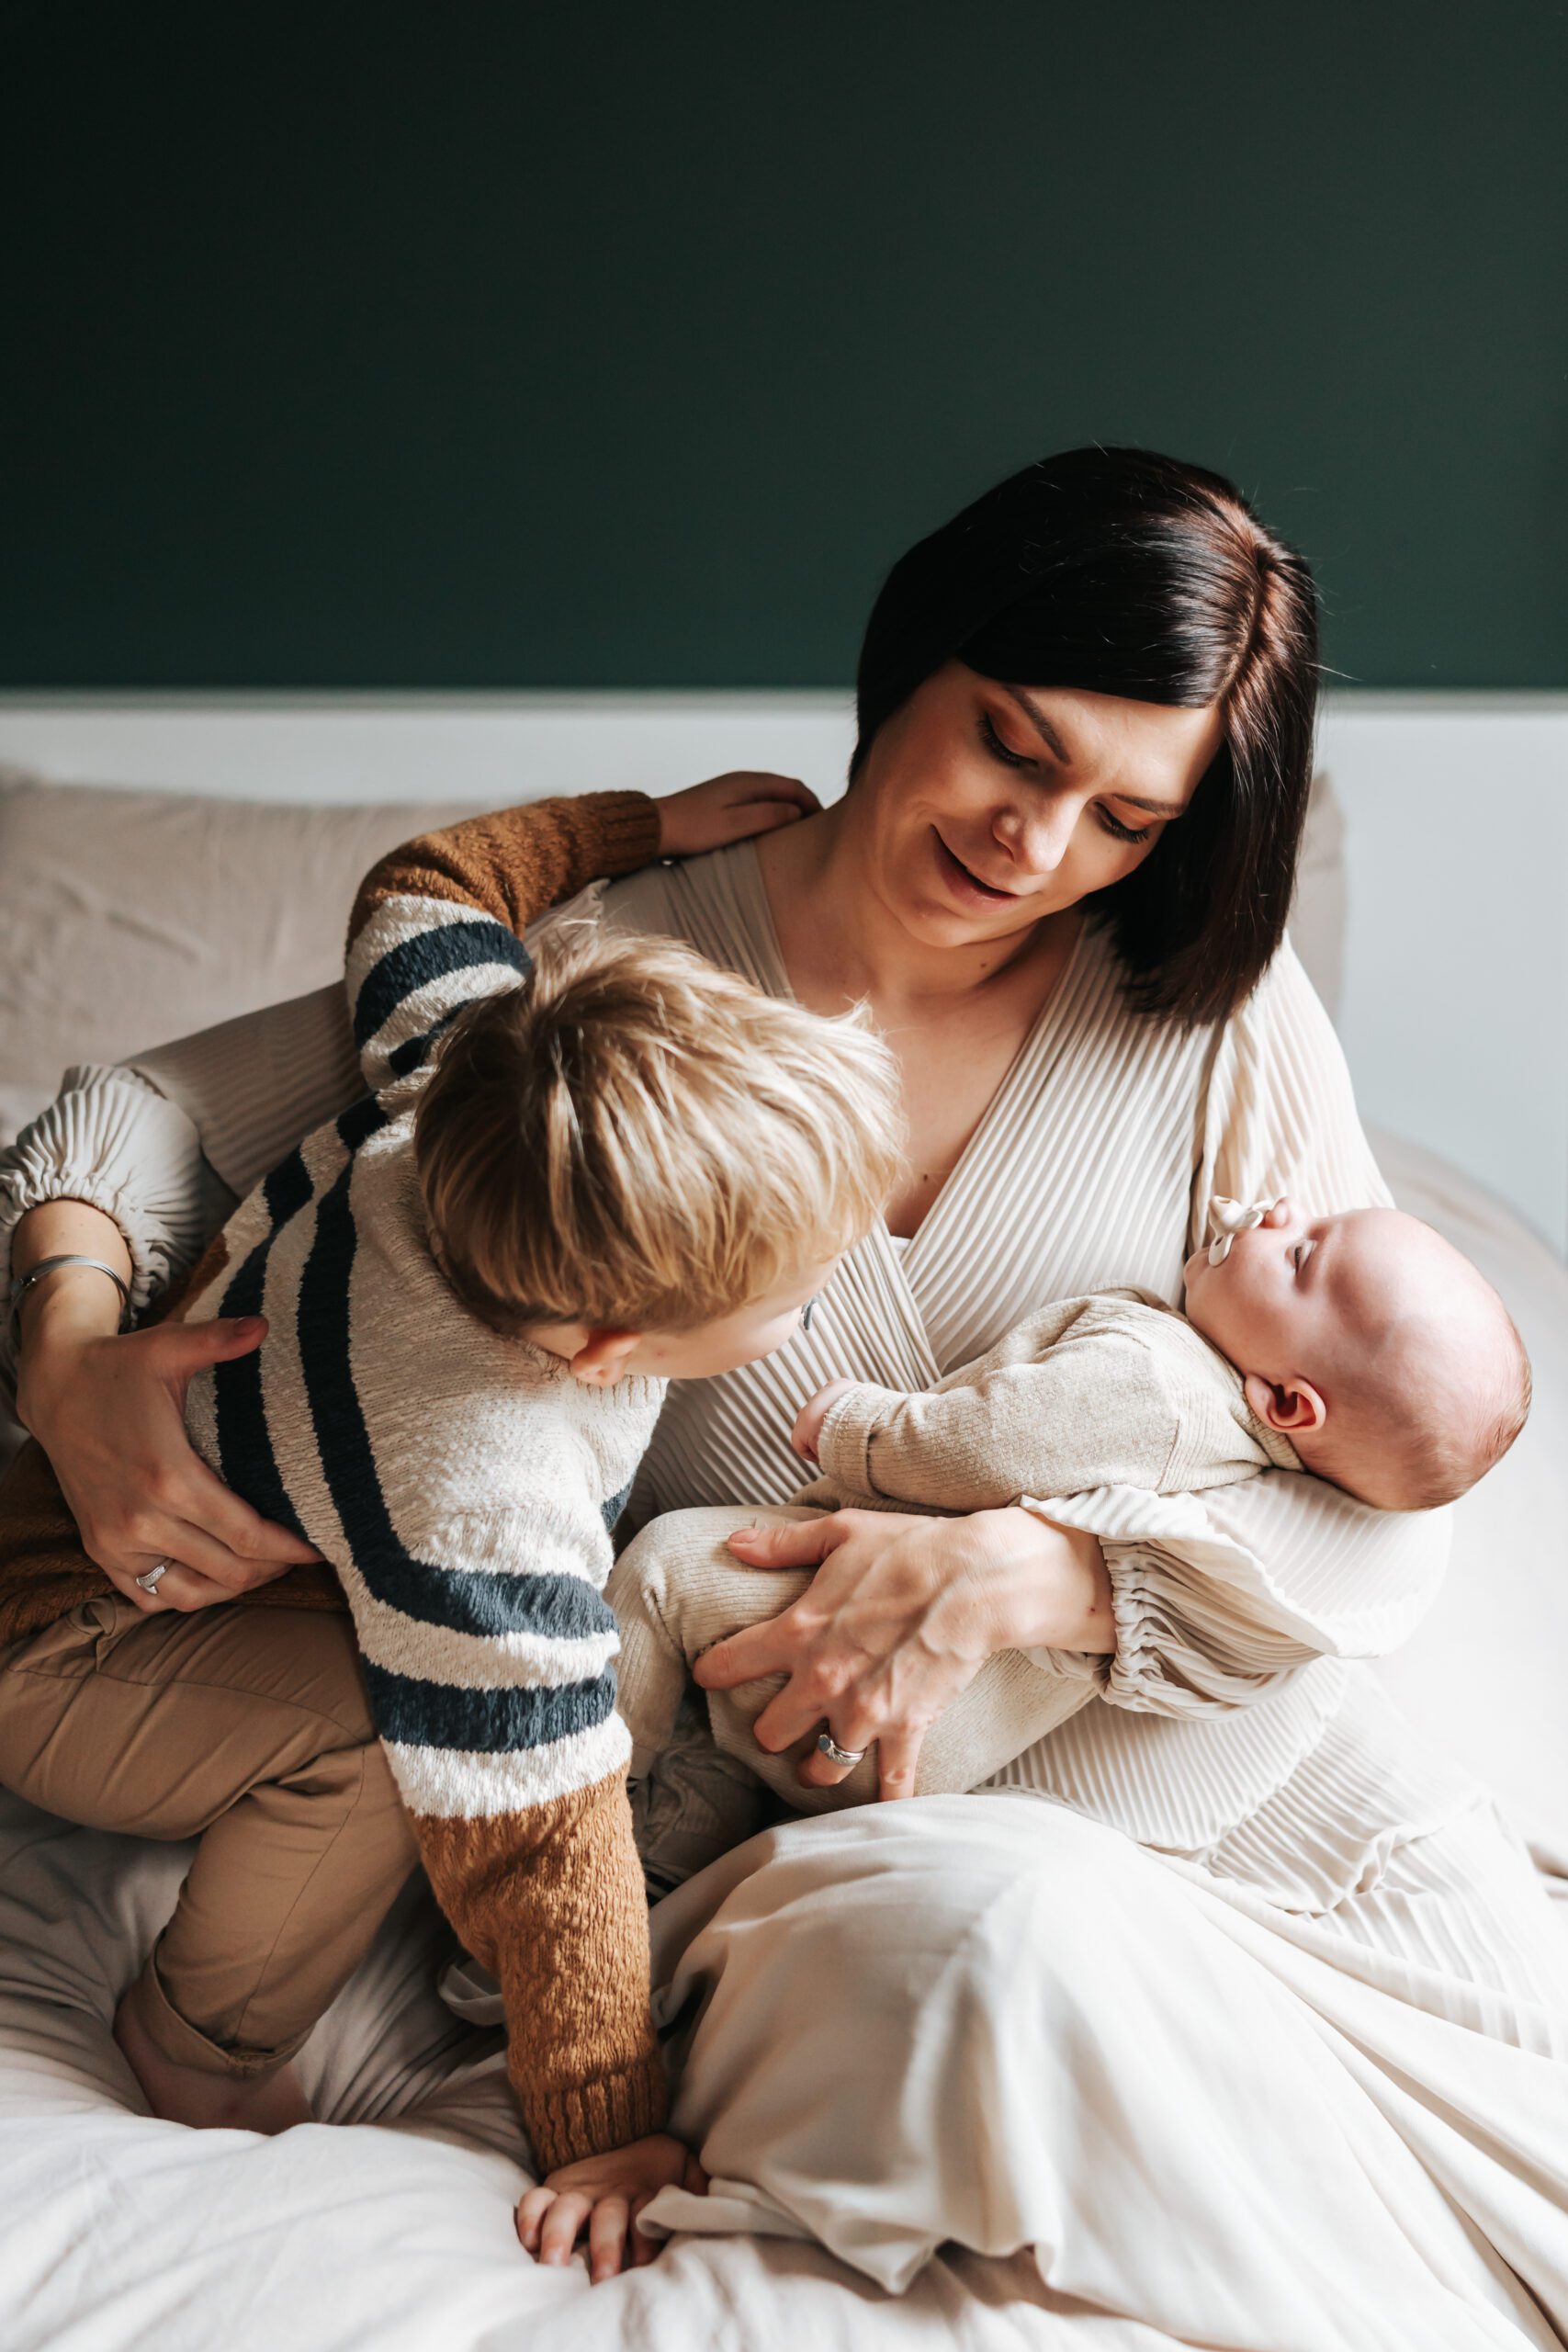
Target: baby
x,y
1361,1348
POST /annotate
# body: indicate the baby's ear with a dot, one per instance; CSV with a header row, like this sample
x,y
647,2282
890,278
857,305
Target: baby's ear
x,y
1291,1406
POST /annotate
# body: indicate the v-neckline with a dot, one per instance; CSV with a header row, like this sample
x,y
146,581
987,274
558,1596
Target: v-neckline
x,y
1031,1045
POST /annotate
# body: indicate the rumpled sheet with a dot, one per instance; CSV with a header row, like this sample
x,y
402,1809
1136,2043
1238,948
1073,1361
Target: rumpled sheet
x,y
385,2228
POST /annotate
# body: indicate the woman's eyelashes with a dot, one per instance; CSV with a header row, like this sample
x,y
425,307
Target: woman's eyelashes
x,y
1121,833
1003,752
1009,758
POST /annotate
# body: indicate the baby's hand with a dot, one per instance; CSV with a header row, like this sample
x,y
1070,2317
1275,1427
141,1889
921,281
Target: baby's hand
x,y
808,1429
731,808
604,2195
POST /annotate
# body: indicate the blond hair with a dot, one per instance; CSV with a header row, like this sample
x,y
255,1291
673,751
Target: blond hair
x,y
637,1140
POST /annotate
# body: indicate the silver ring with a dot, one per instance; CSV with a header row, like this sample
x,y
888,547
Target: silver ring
x,y
154,1575
829,1747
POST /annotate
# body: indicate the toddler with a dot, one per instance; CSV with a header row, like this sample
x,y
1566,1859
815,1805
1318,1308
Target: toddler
x,y
478,1281
1361,1348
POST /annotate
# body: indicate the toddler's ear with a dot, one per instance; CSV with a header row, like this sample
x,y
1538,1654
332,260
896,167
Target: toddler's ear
x,y
602,1359
1291,1406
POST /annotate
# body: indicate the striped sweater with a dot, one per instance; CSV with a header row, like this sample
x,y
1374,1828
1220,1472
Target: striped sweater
x,y
462,1485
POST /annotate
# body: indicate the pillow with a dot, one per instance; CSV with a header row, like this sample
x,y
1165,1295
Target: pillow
x,y
129,918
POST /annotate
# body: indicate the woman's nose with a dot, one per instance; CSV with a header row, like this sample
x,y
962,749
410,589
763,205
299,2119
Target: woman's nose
x,y
1038,838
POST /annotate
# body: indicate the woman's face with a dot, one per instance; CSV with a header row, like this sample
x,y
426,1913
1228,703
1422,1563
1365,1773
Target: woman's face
x,y
991,806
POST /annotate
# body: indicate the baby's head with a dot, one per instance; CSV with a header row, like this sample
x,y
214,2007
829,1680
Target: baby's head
x,y
644,1164
1389,1363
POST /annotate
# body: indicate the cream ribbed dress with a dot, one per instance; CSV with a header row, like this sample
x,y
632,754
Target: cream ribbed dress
x,y
1256,2028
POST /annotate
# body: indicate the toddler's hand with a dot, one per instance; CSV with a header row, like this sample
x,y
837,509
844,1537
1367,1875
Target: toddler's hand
x,y
808,1429
604,2195
731,808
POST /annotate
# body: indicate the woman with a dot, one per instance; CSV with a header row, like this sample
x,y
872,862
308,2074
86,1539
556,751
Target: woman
x,y
1256,2030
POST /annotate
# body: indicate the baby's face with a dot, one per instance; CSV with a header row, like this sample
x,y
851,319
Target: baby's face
x,y
1295,1294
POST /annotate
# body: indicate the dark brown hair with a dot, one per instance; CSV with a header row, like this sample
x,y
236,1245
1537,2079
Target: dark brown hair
x,y
1118,572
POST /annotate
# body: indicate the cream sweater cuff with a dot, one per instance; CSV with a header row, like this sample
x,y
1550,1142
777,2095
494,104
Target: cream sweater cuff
x,y
843,1446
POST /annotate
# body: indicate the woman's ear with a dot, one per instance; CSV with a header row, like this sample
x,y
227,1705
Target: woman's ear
x,y
1291,1406
602,1359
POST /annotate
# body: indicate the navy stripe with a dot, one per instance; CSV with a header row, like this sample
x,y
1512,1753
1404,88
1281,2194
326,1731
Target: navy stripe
x,y
615,1507
465,1600
433,955
439,1715
246,1456
412,1051
359,1123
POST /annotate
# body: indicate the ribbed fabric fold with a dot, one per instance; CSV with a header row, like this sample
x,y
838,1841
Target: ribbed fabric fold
x,y
255,1085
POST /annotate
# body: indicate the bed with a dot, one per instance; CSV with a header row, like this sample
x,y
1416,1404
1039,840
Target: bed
x,y
387,2224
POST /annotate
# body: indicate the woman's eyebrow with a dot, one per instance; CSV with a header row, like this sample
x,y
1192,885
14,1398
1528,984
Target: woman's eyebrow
x,y
1152,807
1038,719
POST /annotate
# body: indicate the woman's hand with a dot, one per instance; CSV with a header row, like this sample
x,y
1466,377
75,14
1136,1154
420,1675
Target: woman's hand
x,y
109,1413
903,1612
604,2195
731,808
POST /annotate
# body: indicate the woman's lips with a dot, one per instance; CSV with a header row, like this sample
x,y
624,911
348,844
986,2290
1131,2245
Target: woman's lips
x,y
965,883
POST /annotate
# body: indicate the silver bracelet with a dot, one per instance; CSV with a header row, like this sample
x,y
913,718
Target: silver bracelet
x,y
24,1282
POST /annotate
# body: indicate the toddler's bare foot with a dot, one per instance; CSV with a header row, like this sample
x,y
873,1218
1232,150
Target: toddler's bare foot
x,y
268,2103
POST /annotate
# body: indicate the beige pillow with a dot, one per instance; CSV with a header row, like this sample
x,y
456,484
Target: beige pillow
x,y
127,918
130,917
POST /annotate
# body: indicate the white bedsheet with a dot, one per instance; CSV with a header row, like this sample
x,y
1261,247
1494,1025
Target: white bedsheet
x,y
389,2225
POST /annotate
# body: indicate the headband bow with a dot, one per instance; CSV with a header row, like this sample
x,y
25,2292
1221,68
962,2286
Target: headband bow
x,y
1231,1218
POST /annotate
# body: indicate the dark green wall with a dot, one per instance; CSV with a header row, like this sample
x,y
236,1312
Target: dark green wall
x,y
499,345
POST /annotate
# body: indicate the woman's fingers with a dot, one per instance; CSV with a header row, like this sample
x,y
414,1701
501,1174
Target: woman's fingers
x,y
798,1712
236,1573
182,1350
608,2237
853,1729
179,1589
250,1542
770,1647
897,1760
816,1770
792,1543
179,1527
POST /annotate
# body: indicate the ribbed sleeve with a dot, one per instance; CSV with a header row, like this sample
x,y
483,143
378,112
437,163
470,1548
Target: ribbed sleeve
x,y
109,1138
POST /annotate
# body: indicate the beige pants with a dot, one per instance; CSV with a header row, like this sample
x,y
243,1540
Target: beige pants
x,y
250,1729
675,1590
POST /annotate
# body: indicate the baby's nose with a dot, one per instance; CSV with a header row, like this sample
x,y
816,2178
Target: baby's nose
x,y
1282,1213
